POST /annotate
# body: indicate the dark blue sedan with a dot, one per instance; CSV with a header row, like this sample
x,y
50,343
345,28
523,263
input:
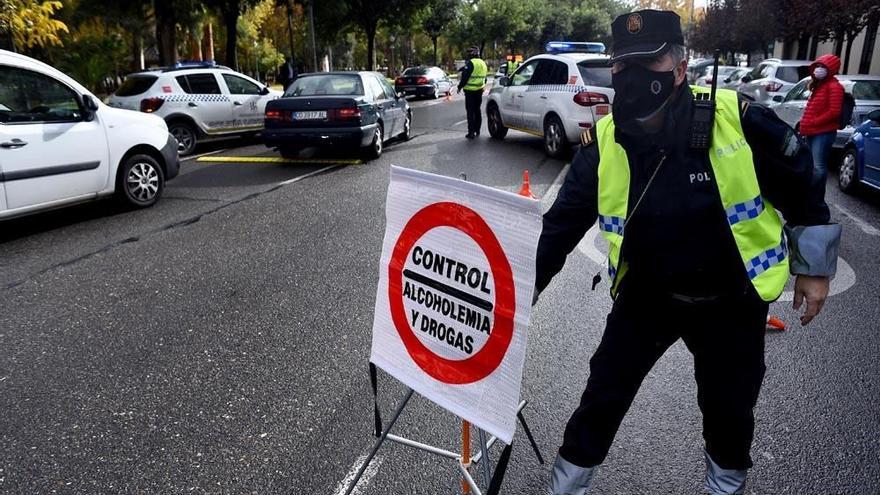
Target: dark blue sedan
x,y
343,110
861,156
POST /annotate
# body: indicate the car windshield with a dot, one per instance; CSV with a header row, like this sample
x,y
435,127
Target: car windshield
x,y
415,71
135,85
791,73
595,73
866,90
326,84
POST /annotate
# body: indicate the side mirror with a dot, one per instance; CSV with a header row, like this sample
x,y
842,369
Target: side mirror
x,y
504,81
875,116
90,107
400,95
777,98
264,91
746,78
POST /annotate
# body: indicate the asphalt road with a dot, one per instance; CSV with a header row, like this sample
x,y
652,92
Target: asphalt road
x,y
218,343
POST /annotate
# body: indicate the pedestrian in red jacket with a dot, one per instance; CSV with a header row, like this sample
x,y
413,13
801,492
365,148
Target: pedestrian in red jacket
x,y
819,123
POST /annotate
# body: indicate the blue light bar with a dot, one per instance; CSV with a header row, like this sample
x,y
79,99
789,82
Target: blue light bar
x,y
194,64
574,47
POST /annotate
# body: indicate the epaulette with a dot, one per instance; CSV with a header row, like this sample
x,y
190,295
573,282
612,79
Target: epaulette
x,y
588,137
743,106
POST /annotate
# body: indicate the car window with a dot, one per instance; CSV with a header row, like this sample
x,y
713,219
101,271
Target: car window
x,y
790,73
135,85
415,71
524,74
375,88
758,72
866,90
240,86
199,84
550,72
595,73
798,93
389,90
27,96
768,71
327,84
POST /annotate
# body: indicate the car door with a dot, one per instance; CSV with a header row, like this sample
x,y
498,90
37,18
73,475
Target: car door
x,y
550,76
49,151
398,105
513,97
205,102
445,83
248,105
383,105
793,104
871,169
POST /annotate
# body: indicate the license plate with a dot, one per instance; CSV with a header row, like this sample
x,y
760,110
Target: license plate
x,y
313,115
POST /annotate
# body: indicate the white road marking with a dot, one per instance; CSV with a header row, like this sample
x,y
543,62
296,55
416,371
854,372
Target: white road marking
x,y
460,122
306,176
863,225
553,190
371,471
193,157
845,278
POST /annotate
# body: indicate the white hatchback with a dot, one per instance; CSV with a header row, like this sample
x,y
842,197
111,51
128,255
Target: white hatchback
x,y
60,145
553,96
198,102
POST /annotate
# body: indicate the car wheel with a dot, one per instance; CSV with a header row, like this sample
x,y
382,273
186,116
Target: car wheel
x,y
555,142
848,176
374,150
496,126
186,137
407,128
140,181
289,151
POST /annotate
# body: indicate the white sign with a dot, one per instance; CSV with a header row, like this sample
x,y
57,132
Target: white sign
x,y
456,280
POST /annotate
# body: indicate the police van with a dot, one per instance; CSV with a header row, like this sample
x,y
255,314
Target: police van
x,y
555,96
199,101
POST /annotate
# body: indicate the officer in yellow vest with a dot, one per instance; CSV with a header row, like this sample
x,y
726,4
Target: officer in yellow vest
x,y
473,80
697,250
511,65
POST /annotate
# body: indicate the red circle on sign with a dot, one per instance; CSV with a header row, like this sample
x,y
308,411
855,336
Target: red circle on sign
x,y
487,359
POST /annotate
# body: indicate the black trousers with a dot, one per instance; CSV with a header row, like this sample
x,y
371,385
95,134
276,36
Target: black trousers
x,y
473,100
726,338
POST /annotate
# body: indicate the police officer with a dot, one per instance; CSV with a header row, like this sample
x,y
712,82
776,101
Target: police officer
x,y
696,248
473,80
512,65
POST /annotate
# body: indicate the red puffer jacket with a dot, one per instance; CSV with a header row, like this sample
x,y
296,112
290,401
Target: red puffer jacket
x,y
823,107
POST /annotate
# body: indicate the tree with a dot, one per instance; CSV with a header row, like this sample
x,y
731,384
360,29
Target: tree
x,y
436,17
845,19
367,14
31,23
230,10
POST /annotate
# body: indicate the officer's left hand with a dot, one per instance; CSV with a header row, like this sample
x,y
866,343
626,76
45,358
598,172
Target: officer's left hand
x,y
814,290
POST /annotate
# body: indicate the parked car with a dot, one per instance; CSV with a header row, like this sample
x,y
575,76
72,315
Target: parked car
x,y
555,96
705,79
772,77
696,67
864,89
734,79
354,110
861,157
424,81
199,102
61,145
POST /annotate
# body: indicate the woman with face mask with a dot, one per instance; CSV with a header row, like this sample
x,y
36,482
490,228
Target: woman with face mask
x,y
819,123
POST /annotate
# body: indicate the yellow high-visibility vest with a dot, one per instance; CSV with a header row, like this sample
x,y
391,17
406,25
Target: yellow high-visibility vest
x,y
478,77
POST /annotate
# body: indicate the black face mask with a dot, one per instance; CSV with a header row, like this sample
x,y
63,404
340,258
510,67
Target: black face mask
x,y
639,94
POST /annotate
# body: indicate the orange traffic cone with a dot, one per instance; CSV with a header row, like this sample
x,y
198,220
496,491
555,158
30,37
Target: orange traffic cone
x,y
448,96
775,323
526,189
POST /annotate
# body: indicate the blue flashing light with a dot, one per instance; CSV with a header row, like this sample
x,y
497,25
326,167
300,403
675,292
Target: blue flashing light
x,y
194,64
574,47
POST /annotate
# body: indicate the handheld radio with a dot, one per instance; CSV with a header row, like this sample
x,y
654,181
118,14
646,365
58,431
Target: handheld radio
x,y
703,116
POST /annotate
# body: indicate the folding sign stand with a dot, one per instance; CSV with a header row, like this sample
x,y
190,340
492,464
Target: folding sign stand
x,y
463,460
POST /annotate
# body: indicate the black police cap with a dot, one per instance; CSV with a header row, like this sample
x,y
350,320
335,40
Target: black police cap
x,y
645,33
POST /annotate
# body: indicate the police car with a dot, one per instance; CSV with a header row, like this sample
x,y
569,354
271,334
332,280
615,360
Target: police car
x,y
555,96
198,101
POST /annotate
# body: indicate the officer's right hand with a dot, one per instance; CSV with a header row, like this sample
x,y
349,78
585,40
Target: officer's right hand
x,y
812,289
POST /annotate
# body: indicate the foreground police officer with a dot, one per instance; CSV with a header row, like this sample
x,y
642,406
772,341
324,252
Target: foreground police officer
x,y
473,80
696,248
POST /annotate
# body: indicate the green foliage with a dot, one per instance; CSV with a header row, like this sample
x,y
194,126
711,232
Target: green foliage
x,y
31,23
92,55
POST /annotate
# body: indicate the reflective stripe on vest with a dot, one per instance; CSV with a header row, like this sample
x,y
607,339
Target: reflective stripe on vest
x,y
478,76
756,227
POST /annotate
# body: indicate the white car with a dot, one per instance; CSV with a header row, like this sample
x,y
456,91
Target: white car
x,y
60,145
555,96
198,102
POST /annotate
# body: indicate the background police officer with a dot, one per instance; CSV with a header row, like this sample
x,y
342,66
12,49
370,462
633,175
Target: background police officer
x,y
704,251
511,65
473,80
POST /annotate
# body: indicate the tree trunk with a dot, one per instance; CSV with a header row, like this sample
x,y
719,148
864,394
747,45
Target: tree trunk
x,y
230,19
167,40
870,41
209,42
838,43
434,40
137,52
814,47
849,42
290,26
803,45
371,41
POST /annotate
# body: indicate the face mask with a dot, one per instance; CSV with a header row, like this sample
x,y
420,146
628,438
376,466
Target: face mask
x,y
639,94
820,72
